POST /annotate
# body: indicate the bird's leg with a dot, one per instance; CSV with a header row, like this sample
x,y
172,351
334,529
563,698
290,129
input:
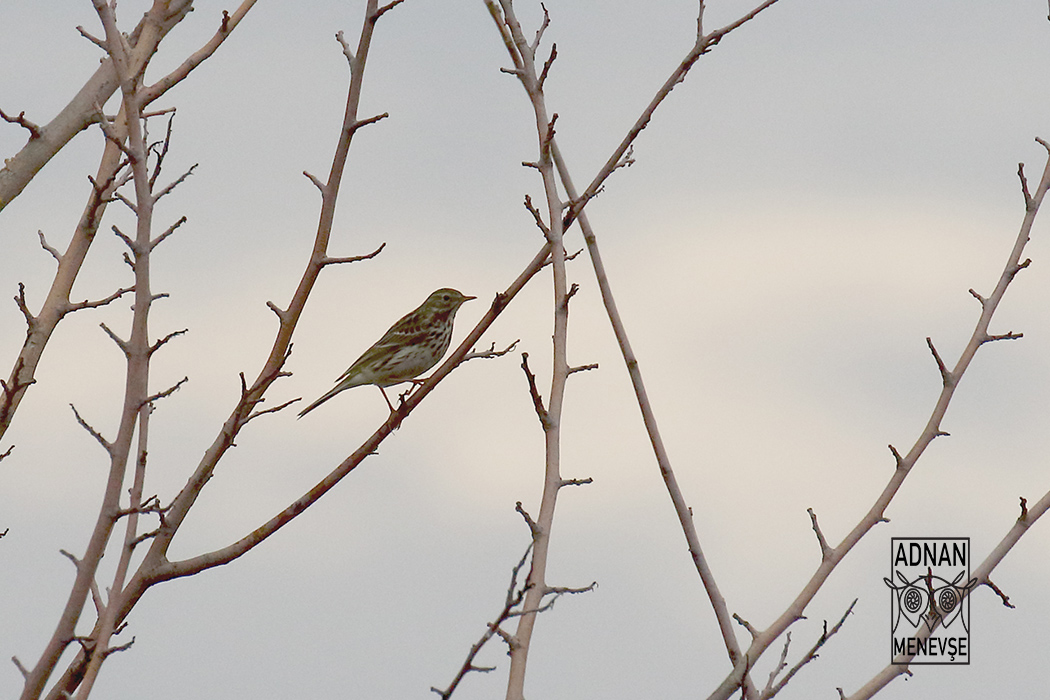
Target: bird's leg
x,y
383,392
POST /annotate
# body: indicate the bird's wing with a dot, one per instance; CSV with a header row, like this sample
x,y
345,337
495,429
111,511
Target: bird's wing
x,y
398,335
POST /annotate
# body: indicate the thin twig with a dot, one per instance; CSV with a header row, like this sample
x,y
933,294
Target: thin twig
x,y
33,129
513,599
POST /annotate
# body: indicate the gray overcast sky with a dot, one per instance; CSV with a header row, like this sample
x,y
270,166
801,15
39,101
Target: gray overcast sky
x,y
805,209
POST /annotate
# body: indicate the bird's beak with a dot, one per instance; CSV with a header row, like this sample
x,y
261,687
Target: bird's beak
x,y
468,298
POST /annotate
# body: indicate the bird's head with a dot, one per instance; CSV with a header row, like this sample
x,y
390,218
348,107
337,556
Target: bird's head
x,y
443,301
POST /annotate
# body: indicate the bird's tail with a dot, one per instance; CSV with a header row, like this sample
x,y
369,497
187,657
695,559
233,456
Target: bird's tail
x,y
321,400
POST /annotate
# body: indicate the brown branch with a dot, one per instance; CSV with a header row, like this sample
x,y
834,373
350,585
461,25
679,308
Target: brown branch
x,y
228,23
175,183
946,377
167,392
20,300
534,392
354,258
512,600
163,341
534,529
1002,596
33,129
170,230
825,550
155,567
810,655
492,352
931,432
91,431
274,409
100,302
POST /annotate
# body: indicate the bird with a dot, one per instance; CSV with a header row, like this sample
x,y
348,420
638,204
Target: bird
x,y
410,347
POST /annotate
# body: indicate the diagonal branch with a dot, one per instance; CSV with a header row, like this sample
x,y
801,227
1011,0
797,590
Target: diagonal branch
x,y
876,514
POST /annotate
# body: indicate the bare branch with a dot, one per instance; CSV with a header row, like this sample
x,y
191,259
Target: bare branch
x,y
897,457
547,64
946,377
275,409
383,10
533,527
226,26
20,300
781,665
167,392
100,302
346,50
326,260
21,669
117,139
536,214
534,392
317,183
120,647
583,368
170,230
1009,335
513,599
1002,596
33,129
371,120
121,343
1028,201
809,655
91,431
716,36
174,334
825,550
575,482
491,352
124,237
178,181
43,244
93,39
539,32
70,557
746,625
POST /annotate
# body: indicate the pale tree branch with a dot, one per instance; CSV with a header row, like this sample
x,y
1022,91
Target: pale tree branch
x,y
772,688
327,260
81,110
33,129
84,109
100,302
876,514
622,156
226,26
106,445
513,599
523,55
491,353
43,244
981,575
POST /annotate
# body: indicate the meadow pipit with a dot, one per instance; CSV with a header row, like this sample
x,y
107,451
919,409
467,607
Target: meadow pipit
x,y
411,346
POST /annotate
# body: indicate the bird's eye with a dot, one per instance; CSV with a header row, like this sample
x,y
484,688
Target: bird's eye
x,y
445,297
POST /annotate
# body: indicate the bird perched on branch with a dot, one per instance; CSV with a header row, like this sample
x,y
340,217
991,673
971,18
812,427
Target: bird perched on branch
x,y
411,346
